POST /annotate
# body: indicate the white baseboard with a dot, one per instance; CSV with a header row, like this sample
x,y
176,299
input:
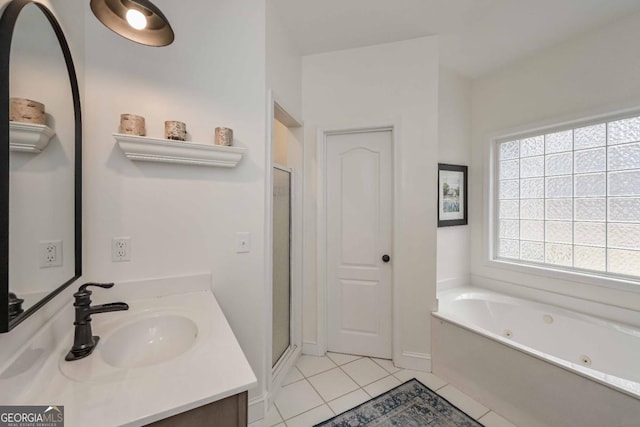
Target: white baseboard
x,y
258,408
282,371
312,349
413,361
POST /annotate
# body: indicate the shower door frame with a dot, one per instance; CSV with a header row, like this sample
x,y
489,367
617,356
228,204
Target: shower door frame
x,y
275,375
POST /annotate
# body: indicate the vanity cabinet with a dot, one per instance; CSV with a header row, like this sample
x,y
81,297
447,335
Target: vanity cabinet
x,y
229,412
205,385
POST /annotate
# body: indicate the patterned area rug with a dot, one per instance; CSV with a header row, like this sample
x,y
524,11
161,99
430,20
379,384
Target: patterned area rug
x,y
411,404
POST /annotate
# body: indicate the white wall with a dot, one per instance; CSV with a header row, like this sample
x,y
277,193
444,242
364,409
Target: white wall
x,y
454,135
284,64
182,219
596,73
390,83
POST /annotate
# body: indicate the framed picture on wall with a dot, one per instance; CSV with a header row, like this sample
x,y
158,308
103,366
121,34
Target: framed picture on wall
x,y
452,195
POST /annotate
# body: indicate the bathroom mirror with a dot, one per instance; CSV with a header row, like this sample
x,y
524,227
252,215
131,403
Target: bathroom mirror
x,y
40,190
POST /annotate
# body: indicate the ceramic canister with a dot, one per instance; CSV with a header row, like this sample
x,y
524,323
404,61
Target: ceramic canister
x,y
131,124
26,111
174,130
224,136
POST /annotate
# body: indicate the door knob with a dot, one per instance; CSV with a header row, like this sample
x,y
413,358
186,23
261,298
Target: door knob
x,y
386,258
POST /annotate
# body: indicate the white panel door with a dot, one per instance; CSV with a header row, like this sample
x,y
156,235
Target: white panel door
x,y
359,209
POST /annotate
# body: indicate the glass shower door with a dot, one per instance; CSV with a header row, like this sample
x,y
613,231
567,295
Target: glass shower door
x,y
281,262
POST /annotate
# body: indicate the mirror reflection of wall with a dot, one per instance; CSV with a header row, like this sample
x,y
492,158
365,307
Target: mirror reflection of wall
x,y
41,204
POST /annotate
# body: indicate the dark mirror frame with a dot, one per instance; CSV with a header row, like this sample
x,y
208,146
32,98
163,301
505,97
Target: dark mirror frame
x,y
7,25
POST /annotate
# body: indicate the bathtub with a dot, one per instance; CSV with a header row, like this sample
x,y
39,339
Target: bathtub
x,y
537,364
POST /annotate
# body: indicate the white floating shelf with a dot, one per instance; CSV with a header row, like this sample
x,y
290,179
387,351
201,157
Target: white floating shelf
x,y
142,148
29,137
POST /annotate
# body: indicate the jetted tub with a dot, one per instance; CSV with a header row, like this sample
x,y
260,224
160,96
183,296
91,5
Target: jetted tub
x,y
537,364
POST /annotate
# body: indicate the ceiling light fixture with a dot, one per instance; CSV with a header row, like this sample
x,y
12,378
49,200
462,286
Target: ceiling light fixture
x,y
137,20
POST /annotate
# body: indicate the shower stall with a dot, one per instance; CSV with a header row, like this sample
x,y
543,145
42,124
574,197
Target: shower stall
x,y
281,262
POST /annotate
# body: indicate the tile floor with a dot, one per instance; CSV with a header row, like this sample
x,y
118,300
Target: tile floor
x,y
320,387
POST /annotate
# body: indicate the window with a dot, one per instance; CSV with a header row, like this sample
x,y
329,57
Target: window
x,y
571,198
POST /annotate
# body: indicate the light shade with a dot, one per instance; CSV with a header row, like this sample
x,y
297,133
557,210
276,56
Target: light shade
x,y
113,14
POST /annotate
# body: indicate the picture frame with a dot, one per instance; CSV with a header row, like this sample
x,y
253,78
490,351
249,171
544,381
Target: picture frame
x,y
452,195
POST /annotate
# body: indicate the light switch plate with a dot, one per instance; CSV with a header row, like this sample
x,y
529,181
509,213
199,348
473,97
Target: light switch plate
x,y
243,242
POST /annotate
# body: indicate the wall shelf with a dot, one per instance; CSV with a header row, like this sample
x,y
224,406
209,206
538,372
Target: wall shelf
x,y
29,137
142,148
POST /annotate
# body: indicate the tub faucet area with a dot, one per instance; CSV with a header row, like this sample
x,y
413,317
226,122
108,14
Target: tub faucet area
x,y
84,342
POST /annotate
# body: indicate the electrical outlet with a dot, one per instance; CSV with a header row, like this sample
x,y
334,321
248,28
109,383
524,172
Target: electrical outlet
x,y
50,253
121,249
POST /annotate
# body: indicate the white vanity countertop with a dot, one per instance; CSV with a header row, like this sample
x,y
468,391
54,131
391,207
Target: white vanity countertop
x,y
96,394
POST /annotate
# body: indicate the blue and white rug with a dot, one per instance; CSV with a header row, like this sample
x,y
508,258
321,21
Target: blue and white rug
x,y
411,404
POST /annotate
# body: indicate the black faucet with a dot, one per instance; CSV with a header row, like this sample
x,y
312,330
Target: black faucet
x,y
15,306
83,341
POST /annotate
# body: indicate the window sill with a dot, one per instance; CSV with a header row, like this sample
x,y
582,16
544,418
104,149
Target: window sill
x,y
593,279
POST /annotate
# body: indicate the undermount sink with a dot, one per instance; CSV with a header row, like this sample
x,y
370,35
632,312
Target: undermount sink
x,y
148,341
